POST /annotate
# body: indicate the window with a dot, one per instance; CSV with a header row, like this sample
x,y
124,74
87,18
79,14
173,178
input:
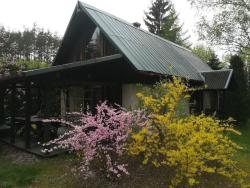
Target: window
x,y
97,46
89,95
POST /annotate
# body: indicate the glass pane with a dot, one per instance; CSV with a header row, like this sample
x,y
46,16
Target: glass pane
x,y
97,46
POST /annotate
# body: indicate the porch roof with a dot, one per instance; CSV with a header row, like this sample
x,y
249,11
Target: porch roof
x,y
44,71
217,80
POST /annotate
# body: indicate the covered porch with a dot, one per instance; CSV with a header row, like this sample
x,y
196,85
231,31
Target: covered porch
x,y
27,98
210,100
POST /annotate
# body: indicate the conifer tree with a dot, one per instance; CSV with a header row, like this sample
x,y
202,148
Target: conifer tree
x,y
237,98
162,20
214,62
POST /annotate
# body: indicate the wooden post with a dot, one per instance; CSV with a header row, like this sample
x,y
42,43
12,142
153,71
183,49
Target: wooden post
x,y
27,114
222,102
63,102
13,113
218,102
2,116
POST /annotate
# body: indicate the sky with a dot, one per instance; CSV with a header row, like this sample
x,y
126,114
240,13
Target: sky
x,y
55,14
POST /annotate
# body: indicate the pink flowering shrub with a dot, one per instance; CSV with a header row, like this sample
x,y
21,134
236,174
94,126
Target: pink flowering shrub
x,y
100,136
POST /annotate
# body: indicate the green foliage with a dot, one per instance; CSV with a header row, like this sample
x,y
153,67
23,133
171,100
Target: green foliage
x,y
203,52
229,25
207,55
30,49
8,67
192,146
246,58
162,20
215,63
30,44
237,98
155,17
20,65
31,65
239,78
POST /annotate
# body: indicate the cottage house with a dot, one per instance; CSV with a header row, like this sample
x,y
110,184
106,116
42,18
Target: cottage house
x,y
103,57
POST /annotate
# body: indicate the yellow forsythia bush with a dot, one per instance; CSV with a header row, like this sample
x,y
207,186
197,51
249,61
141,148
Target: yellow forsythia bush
x,y
193,146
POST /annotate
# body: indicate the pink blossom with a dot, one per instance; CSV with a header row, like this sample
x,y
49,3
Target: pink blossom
x,y
101,135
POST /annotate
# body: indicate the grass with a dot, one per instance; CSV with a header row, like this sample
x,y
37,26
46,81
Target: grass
x,y
56,172
17,175
43,174
243,156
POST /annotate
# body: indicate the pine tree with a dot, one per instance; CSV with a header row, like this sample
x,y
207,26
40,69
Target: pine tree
x,y
155,17
28,37
28,45
239,76
162,20
237,98
214,62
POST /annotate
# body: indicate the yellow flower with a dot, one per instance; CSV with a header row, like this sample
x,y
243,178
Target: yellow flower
x,y
192,145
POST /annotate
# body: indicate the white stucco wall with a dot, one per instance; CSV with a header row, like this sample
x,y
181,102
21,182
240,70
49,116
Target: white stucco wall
x,y
129,99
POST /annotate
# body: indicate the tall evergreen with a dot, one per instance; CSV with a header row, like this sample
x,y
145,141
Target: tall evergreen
x,y
29,45
239,81
237,97
162,20
214,62
155,17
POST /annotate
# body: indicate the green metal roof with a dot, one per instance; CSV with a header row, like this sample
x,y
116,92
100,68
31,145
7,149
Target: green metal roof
x,y
146,51
216,80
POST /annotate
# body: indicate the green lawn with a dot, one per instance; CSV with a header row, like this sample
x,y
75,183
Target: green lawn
x,y
244,155
45,173
17,175
56,172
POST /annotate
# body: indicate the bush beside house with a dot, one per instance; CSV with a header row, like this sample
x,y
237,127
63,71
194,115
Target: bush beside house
x,y
194,147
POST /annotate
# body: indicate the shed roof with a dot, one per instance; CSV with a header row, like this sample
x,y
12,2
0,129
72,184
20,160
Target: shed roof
x,y
219,79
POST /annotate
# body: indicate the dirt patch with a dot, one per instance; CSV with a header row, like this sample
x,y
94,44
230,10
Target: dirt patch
x,y
17,156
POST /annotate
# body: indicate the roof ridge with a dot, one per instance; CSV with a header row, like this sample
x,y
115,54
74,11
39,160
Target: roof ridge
x,y
131,25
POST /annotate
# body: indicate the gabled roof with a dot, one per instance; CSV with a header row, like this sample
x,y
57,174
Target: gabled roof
x,y
146,51
218,79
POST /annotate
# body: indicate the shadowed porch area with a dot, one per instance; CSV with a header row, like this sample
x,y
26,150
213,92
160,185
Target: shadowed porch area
x,y
27,98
